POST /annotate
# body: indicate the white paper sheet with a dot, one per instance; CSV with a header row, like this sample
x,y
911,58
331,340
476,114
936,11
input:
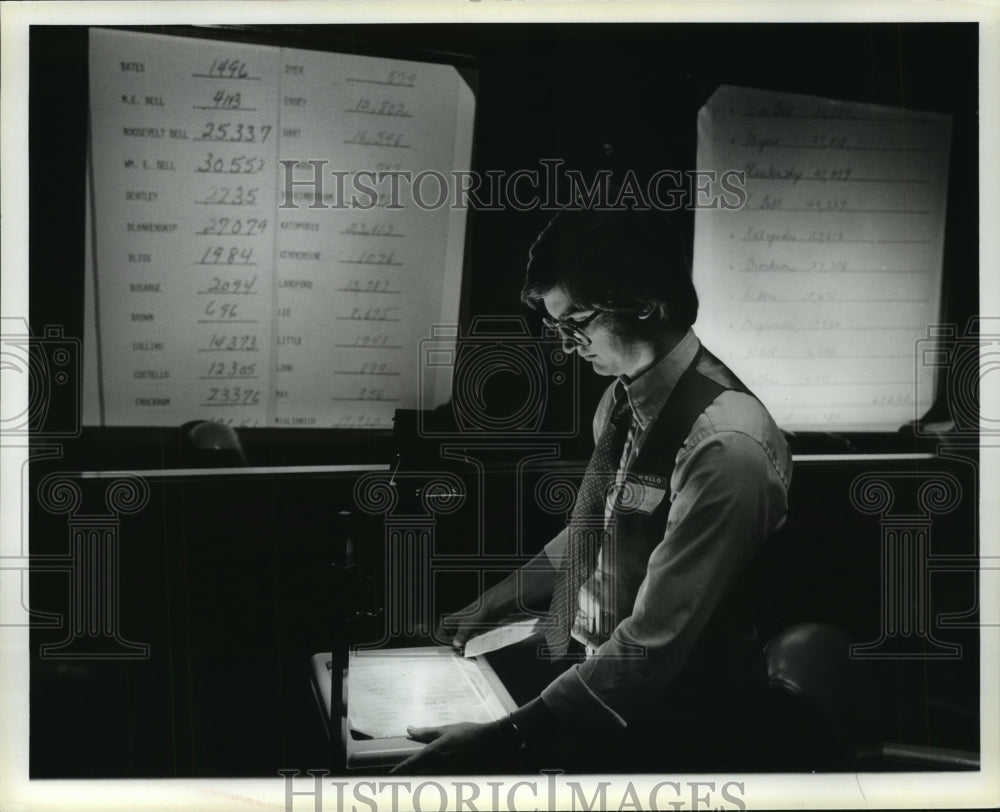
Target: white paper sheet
x,y
817,291
386,693
501,637
219,295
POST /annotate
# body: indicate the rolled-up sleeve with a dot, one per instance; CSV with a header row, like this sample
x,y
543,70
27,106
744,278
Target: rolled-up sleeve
x,y
727,497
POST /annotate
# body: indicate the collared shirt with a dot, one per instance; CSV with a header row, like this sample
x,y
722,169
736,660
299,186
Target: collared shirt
x,y
728,492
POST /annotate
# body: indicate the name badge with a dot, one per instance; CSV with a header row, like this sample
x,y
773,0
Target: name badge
x,y
644,493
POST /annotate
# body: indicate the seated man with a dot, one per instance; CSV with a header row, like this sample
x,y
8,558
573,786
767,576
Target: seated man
x,y
688,479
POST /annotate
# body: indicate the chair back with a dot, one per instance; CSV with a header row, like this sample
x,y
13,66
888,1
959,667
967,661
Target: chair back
x,y
826,700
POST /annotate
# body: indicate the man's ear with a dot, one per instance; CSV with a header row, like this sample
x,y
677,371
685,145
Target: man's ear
x,y
658,310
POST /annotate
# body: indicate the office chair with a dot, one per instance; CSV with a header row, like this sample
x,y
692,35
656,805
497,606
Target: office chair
x,y
826,710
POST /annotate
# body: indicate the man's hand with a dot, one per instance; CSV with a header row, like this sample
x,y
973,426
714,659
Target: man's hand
x,y
531,584
464,624
465,747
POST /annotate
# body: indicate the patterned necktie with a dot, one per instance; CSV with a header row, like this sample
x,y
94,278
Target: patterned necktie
x,y
586,526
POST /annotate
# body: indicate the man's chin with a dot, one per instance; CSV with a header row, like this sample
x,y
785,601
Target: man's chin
x,y
599,367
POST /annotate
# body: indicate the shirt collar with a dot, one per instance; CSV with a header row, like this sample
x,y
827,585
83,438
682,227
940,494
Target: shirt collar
x,y
648,393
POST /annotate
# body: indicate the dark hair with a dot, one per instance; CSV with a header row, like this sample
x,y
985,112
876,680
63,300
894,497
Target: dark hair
x,y
623,261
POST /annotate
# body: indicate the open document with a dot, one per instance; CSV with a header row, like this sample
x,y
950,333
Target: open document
x,y
391,688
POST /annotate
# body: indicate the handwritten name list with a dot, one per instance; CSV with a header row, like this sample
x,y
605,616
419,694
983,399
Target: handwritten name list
x,y
234,278
817,291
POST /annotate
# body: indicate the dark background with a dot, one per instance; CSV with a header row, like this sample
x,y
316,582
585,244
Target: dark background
x,y
227,577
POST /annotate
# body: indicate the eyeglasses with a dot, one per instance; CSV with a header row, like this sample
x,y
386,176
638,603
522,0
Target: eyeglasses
x,y
572,330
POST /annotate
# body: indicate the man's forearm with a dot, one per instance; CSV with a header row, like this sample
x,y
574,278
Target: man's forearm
x,y
530,585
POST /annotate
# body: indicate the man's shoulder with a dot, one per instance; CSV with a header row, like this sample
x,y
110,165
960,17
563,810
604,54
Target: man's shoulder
x,y
736,410
742,424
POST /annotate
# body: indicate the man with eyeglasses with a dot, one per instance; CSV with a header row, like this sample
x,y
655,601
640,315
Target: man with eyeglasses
x,y
648,587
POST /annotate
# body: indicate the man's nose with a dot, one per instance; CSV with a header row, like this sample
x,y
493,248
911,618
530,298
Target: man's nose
x,y
568,345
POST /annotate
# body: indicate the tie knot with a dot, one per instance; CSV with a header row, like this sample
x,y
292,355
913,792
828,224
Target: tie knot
x,y
622,407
